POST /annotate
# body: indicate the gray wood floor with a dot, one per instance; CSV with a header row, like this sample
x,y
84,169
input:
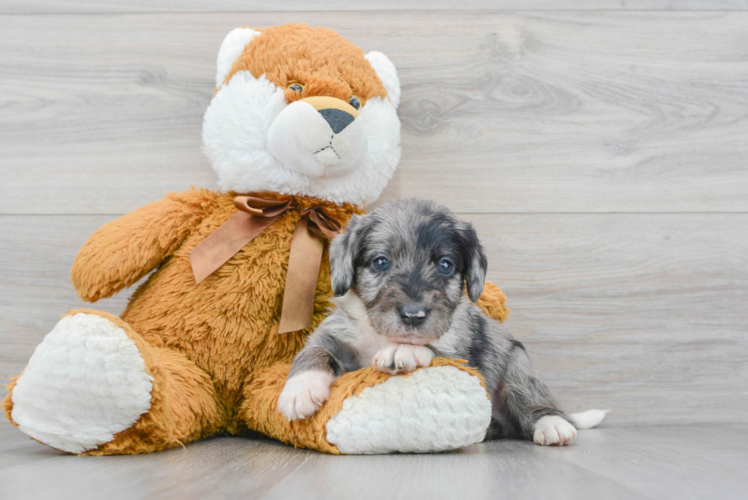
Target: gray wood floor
x,y
610,463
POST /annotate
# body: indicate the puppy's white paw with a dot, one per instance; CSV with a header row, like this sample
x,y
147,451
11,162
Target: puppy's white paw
x,y
402,358
304,393
385,358
554,431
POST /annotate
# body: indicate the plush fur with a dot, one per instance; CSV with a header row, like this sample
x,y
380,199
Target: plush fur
x,y
211,350
72,420
251,128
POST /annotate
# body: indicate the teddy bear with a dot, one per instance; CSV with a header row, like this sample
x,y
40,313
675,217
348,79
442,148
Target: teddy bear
x,y
302,132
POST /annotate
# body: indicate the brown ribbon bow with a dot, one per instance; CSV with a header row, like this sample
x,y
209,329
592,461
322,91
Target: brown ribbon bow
x,y
254,216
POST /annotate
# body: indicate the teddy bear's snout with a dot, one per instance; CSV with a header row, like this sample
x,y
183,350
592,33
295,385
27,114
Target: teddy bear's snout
x,y
318,136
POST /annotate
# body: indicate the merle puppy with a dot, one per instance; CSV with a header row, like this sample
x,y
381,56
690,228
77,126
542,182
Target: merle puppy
x,y
399,275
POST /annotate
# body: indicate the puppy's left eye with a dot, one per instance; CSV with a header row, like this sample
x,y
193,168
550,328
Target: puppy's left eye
x,y
381,263
355,102
446,267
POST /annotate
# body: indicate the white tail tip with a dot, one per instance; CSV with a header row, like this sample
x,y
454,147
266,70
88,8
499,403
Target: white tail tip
x,y
588,419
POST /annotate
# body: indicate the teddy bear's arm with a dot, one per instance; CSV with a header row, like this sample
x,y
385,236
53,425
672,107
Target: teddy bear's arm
x,y
493,302
126,249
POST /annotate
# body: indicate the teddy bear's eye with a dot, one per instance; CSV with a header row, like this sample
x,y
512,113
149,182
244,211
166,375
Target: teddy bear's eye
x,y
296,87
355,102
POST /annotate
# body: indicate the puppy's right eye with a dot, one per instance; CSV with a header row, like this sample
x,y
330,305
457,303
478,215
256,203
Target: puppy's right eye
x,y
381,264
296,87
446,267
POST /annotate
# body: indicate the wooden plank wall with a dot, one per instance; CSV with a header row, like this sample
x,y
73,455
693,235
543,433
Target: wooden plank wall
x,y
599,146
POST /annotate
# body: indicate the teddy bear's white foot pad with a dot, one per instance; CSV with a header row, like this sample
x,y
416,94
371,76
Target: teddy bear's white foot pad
x,y
433,409
84,383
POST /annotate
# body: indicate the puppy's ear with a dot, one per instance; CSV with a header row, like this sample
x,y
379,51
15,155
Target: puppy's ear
x,y
476,263
343,255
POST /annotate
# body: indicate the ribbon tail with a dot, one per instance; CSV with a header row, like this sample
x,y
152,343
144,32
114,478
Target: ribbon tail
x,y
301,279
222,244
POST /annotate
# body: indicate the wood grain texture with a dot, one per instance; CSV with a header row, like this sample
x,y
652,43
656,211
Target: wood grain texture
x,y
119,6
640,313
36,254
660,462
502,112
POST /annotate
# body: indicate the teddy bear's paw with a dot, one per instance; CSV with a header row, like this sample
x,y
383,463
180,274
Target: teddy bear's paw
x,y
84,383
304,393
402,358
433,409
554,431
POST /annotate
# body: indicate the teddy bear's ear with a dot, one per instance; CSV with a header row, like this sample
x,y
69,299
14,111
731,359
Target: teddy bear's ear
x,y
387,73
231,48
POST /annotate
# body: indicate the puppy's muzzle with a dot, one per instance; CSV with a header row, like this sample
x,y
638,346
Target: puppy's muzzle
x,y
337,113
413,315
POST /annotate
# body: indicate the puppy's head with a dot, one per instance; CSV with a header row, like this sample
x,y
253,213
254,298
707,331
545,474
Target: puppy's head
x,y
409,261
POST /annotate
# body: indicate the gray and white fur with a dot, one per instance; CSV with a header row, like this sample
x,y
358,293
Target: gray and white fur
x,y
399,275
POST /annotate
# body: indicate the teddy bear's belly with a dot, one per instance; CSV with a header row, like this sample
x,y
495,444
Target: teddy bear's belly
x,y
227,324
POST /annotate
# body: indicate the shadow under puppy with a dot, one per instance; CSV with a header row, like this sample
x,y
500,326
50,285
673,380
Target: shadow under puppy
x,y
399,275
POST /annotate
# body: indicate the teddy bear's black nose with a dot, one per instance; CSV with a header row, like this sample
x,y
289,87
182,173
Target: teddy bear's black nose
x,y
338,119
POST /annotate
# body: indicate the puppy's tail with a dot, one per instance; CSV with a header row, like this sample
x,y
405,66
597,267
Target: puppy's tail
x,y
587,419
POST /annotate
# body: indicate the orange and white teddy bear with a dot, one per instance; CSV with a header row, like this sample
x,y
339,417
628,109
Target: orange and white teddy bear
x,y
300,116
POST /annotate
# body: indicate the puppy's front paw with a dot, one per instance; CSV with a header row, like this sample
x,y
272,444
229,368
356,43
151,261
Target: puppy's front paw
x,y
304,393
554,431
402,358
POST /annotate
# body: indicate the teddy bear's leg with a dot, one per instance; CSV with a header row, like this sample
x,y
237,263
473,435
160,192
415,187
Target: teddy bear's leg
x,y
94,386
442,407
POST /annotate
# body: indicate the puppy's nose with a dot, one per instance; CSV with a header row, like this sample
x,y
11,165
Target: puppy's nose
x,y
336,118
337,113
413,315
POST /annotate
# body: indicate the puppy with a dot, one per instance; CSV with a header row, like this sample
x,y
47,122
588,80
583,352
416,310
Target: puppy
x,y
399,275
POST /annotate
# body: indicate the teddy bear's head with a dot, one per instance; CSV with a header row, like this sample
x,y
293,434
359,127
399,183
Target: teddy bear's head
x,y
301,110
